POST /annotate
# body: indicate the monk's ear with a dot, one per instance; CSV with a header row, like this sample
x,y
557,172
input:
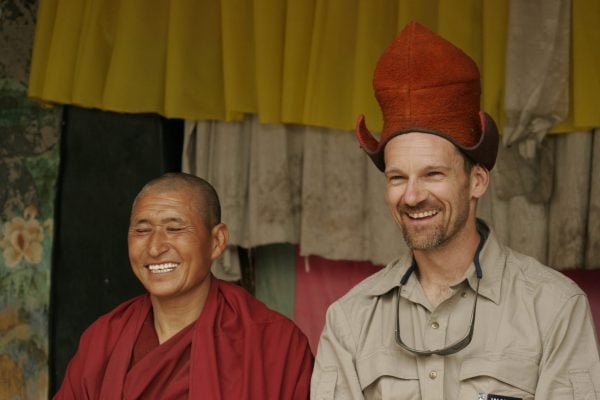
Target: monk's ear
x,y
220,238
480,180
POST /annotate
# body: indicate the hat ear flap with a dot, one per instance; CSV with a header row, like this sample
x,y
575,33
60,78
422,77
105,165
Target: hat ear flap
x,y
368,143
491,138
486,150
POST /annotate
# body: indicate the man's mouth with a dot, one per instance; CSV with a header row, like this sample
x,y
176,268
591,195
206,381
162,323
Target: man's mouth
x,y
162,268
421,214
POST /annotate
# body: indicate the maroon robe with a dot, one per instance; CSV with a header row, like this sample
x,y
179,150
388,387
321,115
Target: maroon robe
x,y
237,349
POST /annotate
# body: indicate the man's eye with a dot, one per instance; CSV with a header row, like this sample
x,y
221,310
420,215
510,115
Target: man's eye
x,y
174,229
142,230
395,178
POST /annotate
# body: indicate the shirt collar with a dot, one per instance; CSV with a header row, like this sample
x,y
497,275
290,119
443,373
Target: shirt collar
x,y
391,275
492,259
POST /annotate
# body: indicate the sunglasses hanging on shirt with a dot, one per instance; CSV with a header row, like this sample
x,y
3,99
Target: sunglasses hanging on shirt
x,y
457,346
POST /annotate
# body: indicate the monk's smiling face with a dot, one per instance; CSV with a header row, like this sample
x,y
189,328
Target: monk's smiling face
x,y
171,249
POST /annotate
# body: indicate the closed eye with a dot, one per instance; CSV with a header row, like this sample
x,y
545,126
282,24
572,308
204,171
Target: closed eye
x,y
395,178
435,174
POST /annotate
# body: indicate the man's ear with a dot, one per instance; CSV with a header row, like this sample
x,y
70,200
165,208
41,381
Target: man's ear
x,y
220,238
480,180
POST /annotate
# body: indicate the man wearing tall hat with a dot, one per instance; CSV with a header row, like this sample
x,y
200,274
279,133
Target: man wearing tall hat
x,y
462,316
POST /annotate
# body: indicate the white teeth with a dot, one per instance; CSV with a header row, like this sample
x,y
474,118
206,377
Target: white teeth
x,y
162,268
423,214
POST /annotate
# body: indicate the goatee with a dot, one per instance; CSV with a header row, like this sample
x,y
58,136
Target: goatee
x,y
425,241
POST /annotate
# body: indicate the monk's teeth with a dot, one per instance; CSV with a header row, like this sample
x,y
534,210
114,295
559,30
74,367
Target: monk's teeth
x,y
162,268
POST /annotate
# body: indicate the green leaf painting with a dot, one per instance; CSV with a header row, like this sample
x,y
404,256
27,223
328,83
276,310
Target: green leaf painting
x,y
29,159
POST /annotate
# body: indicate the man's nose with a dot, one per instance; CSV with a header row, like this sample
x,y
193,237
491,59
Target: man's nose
x,y
414,193
158,243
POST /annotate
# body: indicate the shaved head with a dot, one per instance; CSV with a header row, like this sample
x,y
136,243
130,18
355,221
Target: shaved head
x,y
206,200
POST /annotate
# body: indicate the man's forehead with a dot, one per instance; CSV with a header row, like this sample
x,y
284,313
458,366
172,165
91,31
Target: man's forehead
x,y
166,194
162,214
169,204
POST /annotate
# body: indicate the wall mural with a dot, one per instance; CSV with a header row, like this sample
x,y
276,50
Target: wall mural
x,y
29,156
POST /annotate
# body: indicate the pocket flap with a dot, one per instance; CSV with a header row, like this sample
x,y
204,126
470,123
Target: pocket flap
x,y
521,373
385,363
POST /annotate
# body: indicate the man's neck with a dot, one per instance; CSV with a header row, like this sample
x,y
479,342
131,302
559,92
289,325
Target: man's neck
x,y
172,315
445,266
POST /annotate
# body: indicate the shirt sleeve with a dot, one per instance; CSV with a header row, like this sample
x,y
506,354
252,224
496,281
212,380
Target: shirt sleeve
x,y
570,363
334,375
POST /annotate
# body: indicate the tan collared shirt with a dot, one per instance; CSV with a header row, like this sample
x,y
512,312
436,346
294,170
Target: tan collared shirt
x,y
534,336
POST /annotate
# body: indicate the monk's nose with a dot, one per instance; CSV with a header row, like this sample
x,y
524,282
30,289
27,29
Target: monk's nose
x,y
157,244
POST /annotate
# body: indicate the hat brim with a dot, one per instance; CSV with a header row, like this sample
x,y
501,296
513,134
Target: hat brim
x,y
484,152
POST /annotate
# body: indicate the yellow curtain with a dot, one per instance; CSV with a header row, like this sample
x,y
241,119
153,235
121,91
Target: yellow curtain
x,y
584,106
293,61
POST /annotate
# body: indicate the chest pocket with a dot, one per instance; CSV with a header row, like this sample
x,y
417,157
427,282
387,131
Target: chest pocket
x,y
501,375
388,375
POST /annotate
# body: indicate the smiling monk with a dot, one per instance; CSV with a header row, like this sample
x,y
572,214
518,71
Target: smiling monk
x,y
192,336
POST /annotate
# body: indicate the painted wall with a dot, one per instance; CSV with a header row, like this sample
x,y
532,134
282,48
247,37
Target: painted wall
x,y
29,154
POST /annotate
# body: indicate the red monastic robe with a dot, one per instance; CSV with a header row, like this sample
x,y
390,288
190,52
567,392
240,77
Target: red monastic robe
x,y
237,349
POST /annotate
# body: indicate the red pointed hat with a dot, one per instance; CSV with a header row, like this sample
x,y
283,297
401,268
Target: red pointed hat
x,y
424,83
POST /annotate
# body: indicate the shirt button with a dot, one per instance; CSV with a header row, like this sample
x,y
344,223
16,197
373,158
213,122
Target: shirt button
x,y
463,294
433,375
435,325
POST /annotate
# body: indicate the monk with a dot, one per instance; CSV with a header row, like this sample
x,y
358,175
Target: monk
x,y
192,336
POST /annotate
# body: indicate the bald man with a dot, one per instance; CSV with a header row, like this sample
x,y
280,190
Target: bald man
x,y
191,336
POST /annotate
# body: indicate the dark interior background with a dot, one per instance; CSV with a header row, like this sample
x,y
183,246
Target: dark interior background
x,y
106,158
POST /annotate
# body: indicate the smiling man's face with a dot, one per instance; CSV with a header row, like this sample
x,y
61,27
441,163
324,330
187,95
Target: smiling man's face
x,y
170,247
428,189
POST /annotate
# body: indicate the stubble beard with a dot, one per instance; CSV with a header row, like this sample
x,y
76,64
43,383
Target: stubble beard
x,y
425,240
436,236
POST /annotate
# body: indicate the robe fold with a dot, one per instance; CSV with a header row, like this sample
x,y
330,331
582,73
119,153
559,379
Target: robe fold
x,y
237,349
